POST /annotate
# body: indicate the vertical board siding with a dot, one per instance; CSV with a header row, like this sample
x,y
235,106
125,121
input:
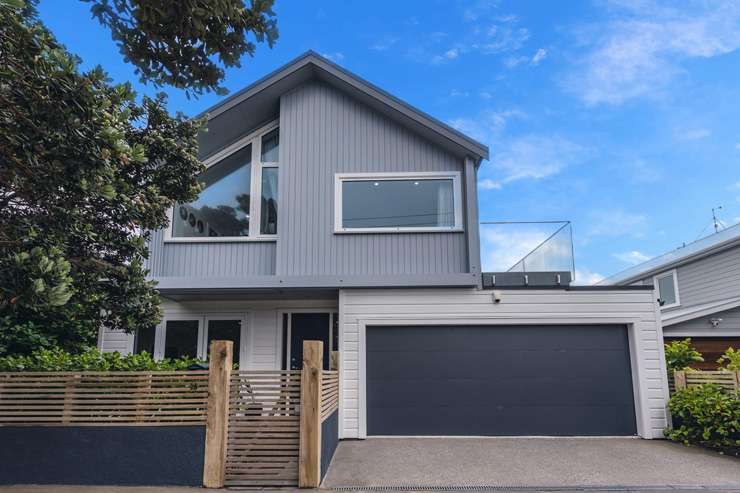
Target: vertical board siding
x,y
461,306
209,259
324,132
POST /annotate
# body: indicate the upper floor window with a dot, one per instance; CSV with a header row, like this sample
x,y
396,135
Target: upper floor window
x,y
667,285
398,202
240,194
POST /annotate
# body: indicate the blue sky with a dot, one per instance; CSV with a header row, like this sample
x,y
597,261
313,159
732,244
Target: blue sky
x,y
621,116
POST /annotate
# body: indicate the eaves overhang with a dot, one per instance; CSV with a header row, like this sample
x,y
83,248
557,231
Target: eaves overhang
x,y
260,103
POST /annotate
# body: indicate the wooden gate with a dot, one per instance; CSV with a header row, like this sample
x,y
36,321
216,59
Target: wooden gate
x,y
264,428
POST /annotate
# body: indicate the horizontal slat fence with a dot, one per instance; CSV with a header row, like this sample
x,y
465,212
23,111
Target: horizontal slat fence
x,y
264,428
329,393
728,380
103,398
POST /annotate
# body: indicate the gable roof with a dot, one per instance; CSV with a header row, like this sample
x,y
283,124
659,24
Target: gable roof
x,y
709,245
263,96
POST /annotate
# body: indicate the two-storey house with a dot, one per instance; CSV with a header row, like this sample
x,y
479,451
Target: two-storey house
x,y
698,289
333,211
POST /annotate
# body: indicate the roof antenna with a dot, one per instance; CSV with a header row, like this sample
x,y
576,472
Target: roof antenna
x,y
717,223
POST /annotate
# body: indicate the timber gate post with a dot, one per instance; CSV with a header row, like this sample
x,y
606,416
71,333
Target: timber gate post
x,y
309,456
217,418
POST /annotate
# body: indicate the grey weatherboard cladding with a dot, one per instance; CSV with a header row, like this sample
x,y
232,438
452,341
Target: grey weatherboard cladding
x,y
324,132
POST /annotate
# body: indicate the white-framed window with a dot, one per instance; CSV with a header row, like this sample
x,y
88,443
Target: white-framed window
x,y
191,334
667,287
397,202
239,201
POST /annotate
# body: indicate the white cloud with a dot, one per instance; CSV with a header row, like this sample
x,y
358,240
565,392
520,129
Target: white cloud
x,y
501,34
488,95
540,55
479,9
640,50
384,44
529,156
487,126
617,223
502,37
694,134
513,61
335,57
633,257
535,157
586,277
488,184
737,146
644,172
459,94
503,248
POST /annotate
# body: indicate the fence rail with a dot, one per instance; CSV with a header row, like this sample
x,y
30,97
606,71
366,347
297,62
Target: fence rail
x,y
103,398
264,428
329,393
728,380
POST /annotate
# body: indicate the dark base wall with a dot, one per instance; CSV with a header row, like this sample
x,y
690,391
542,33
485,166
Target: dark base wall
x,y
110,455
329,441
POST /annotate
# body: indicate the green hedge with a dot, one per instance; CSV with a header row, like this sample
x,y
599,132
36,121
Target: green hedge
x,y
56,359
708,416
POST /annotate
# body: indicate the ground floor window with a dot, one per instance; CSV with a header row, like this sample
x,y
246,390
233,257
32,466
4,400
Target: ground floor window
x,y
191,336
224,330
144,340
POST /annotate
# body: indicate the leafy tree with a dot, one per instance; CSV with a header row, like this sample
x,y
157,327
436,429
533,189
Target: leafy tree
x,y
176,42
730,360
680,354
85,172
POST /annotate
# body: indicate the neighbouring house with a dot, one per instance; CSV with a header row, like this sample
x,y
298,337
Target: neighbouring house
x,y
698,289
333,211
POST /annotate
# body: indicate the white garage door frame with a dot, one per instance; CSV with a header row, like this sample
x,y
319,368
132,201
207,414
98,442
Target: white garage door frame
x,y
634,347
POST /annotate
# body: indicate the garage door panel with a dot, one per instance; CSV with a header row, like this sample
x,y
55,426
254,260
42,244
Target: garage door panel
x,y
499,380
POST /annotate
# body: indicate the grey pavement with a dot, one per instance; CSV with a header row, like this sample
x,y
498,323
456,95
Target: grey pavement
x,y
547,463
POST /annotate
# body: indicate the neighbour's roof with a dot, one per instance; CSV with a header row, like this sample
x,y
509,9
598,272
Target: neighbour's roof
x,y
727,238
262,99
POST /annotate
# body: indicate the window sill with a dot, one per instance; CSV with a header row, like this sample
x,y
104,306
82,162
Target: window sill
x,y
397,230
223,239
668,307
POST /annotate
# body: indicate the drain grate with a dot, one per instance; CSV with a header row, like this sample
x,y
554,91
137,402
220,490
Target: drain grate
x,y
484,488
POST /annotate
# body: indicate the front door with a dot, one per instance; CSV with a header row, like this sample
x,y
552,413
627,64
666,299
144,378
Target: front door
x,y
308,327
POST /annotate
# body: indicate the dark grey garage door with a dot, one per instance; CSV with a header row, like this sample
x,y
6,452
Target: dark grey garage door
x,y
499,380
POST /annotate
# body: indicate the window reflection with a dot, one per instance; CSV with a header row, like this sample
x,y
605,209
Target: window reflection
x,y
222,209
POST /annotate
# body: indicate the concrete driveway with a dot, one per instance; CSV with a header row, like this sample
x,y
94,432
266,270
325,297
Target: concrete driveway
x,y
539,463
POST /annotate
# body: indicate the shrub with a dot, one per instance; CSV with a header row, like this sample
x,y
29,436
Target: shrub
x,y
56,359
706,415
730,360
680,354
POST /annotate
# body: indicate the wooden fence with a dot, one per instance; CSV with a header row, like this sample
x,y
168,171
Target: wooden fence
x,y
103,398
329,393
263,435
728,380
262,428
